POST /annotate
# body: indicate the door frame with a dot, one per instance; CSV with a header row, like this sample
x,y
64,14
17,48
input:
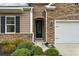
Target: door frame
x,y
43,34
41,29
56,25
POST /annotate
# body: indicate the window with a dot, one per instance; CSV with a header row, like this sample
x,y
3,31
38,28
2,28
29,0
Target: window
x,y
76,3
10,24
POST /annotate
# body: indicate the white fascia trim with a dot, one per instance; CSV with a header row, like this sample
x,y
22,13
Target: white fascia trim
x,y
65,20
16,8
28,7
10,7
46,24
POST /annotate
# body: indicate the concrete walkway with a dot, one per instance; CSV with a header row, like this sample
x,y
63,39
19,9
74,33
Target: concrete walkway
x,y
68,49
40,43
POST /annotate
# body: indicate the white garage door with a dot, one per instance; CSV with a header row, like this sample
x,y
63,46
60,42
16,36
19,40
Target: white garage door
x,y
67,32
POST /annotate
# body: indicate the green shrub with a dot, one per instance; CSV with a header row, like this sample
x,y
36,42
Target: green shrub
x,y
6,42
21,52
15,42
51,52
36,50
7,49
18,41
27,45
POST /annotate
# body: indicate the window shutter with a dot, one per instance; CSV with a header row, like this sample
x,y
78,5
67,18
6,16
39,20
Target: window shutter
x,y
17,24
2,24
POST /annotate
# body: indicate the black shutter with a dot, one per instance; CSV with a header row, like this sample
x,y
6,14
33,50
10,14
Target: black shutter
x,y
17,24
2,24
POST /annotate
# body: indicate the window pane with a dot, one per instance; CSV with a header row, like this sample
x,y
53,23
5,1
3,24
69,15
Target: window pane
x,y
10,28
10,20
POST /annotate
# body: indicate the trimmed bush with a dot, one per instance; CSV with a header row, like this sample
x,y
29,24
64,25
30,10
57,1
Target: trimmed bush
x,y
51,52
6,42
18,41
21,52
36,50
27,45
7,49
15,42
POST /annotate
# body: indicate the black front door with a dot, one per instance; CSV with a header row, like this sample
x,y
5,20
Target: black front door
x,y
39,30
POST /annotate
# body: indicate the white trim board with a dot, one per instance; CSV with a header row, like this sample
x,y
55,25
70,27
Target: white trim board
x,y
15,7
65,20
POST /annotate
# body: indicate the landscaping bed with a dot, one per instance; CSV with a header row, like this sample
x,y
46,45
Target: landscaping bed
x,y
21,47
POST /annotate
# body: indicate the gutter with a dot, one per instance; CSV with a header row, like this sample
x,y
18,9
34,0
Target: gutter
x,y
49,6
15,8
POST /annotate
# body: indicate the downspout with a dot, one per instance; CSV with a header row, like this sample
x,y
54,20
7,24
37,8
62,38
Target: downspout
x,y
31,19
48,7
31,24
50,4
46,24
46,17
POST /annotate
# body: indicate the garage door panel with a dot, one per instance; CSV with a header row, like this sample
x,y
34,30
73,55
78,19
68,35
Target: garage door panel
x,y
67,32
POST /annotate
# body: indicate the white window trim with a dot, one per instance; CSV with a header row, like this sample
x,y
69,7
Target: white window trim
x,y
10,24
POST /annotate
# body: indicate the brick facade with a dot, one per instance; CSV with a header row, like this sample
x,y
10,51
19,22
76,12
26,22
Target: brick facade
x,y
61,12
38,12
27,37
68,11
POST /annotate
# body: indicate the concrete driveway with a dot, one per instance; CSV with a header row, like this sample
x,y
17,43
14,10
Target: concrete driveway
x,y
68,49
